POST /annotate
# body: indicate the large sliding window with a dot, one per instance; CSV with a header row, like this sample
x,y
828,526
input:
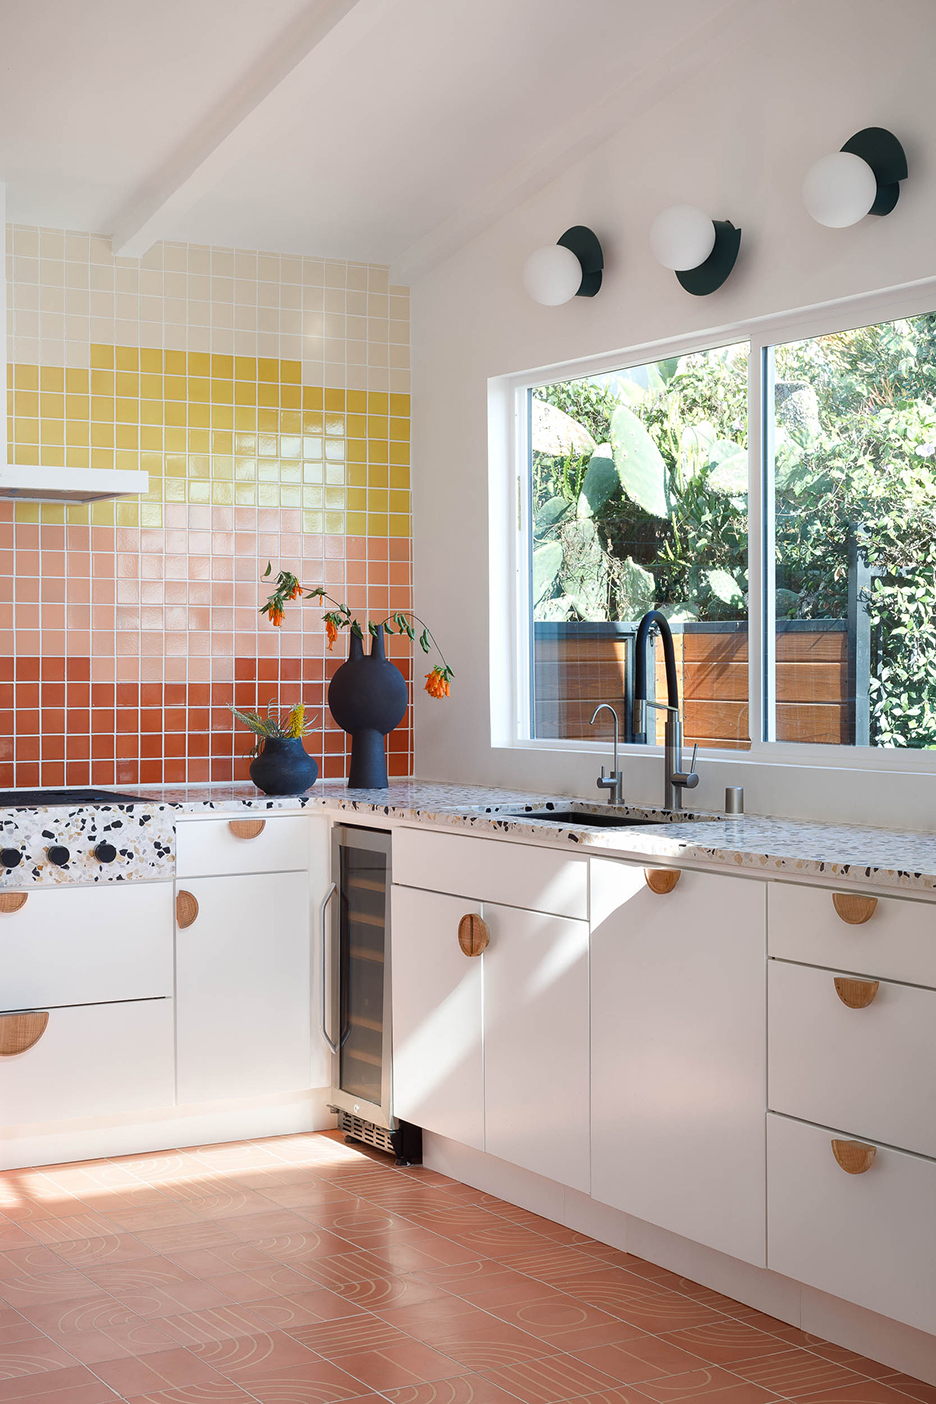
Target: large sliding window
x,y
818,626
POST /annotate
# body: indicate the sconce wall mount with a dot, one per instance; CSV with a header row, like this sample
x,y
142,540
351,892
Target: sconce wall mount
x,y
862,178
572,267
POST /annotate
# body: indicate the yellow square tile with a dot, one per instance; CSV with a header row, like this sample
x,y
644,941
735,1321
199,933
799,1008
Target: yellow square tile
x,y
400,430
268,393
102,382
245,470
399,501
222,392
77,381
400,453
127,411
376,524
176,440
290,422
399,526
377,499
268,369
222,494
102,357
175,489
377,451
335,524
198,440
103,513
27,404
291,372
52,431
245,368
127,358
151,387
77,434
176,465
52,456
199,416
102,458
26,377
377,426
52,378
245,392
199,465
335,400
151,412
356,523
176,412
312,396
78,456
128,437
357,499
357,401
151,360
26,453
52,513
127,514
378,476
221,441
400,405
222,417
151,439
222,367
268,421
199,389
102,436
399,477
102,409
126,383
26,512
245,419
377,402
356,450
313,422
199,363
174,363
175,387
291,397
357,474
356,426
150,462
26,431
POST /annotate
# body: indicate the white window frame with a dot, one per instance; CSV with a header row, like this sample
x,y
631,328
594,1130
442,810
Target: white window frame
x,y
510,534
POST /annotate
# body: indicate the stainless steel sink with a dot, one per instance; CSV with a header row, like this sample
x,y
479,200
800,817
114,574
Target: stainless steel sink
x,y
602,819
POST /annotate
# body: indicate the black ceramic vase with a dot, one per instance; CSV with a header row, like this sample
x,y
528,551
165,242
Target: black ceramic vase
x,y
368,697
283,767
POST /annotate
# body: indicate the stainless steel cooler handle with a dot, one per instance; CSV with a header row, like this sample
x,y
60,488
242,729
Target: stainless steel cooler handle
x,y
323,935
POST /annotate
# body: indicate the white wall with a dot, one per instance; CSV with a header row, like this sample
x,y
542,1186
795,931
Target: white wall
x,y
736,138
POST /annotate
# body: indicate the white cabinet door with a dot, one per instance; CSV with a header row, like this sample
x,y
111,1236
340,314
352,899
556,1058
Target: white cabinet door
x,y
437,1057
678,1036
536,1049
243,988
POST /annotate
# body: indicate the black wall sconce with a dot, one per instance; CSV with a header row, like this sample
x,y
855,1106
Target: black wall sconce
x,y
701,251
569,268
861,179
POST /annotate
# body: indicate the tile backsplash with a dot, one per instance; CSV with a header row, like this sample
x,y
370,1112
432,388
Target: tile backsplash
x,y
268,399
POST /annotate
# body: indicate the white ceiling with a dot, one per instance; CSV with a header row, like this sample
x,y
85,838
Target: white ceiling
x,y
376,130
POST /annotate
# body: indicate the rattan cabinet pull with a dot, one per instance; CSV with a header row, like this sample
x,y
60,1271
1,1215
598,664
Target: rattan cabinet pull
x,y
857,994
474,936
20,1032
854,1156
186,907
661,880
854,907
12,901
246,828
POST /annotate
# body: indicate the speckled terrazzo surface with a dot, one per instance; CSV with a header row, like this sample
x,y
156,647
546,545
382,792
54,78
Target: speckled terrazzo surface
x,y
785,847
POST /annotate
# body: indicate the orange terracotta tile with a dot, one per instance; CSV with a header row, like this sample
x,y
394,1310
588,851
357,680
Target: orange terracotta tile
x,y
392,1366
318,1383
302,1309
550,1379
73,1385
221,1393
32,1357
109,1248
461,1389
726,1340
262,1352
793,1373
348,1336
640,1358
161,1370
863,1392
709,1382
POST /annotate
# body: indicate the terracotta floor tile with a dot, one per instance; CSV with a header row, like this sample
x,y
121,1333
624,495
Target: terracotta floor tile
x,y
30,1357
220,1258
259,1352
221,1393
710,1382
305,1244
547,1263
571,1325
143,1217
348,1336
375,1292
274,1222
96,1313
158,1371
134,1337
423,1251
64,1284
461,1389
27,1262
89,1224
302,1309
216,1197
495,1289
13,1235
440,1317
641,1358
318,1383
916,1389
107,1248
864,1392
208,1233
643,1303
793,1373
14,1326
871,1368
160,1167
550,1379
214,1324
309,1196
623,1394
491,1346
726,1340
405,1363
74,1385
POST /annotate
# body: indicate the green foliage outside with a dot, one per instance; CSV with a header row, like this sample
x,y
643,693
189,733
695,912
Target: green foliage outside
x,y
639,497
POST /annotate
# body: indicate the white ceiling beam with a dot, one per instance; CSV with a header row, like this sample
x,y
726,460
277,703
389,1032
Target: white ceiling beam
x,y
323,30
670,65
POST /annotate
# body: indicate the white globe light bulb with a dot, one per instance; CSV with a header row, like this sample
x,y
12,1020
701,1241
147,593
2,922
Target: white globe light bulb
x,y
839,190
552,275
682,237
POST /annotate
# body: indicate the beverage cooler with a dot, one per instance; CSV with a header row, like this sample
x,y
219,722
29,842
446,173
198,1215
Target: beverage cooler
x,y
356,1005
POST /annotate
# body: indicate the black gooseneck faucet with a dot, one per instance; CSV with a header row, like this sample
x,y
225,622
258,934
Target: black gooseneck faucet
x,y
675,779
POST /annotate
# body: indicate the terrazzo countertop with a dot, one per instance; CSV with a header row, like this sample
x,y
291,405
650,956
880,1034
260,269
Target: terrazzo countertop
x,y
794,848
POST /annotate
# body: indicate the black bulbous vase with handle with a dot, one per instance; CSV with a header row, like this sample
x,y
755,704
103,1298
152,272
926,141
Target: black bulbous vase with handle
x,y
283,767
368,697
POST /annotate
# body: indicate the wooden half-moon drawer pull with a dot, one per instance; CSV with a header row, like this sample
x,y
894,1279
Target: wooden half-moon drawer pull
x,y
474,937
12,901
19,1032
853,907
857,994
186,908
246,828
854,1156
661,880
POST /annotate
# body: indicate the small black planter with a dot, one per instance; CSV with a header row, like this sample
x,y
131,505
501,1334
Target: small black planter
x,y
283,767
368,697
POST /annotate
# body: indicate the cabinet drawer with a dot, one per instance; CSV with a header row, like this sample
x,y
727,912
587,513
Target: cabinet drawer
x,y
87,945
491,870
898,942
206,847
93,1060
869,1238
871,1069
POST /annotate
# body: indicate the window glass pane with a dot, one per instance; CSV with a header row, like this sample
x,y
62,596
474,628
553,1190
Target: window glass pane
x,y
639,501
855,501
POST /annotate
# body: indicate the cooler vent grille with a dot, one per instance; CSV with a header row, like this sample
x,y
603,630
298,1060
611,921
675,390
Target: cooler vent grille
x,y
360,1130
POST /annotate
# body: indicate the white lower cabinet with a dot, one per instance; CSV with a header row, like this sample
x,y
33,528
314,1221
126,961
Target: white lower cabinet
x,y
438,1078
536,1044
243,987
91,1060
868,1237
678,1054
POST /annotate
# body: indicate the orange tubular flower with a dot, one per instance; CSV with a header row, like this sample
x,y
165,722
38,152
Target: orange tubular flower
x,y
276,615
332,633
296,592
436,684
